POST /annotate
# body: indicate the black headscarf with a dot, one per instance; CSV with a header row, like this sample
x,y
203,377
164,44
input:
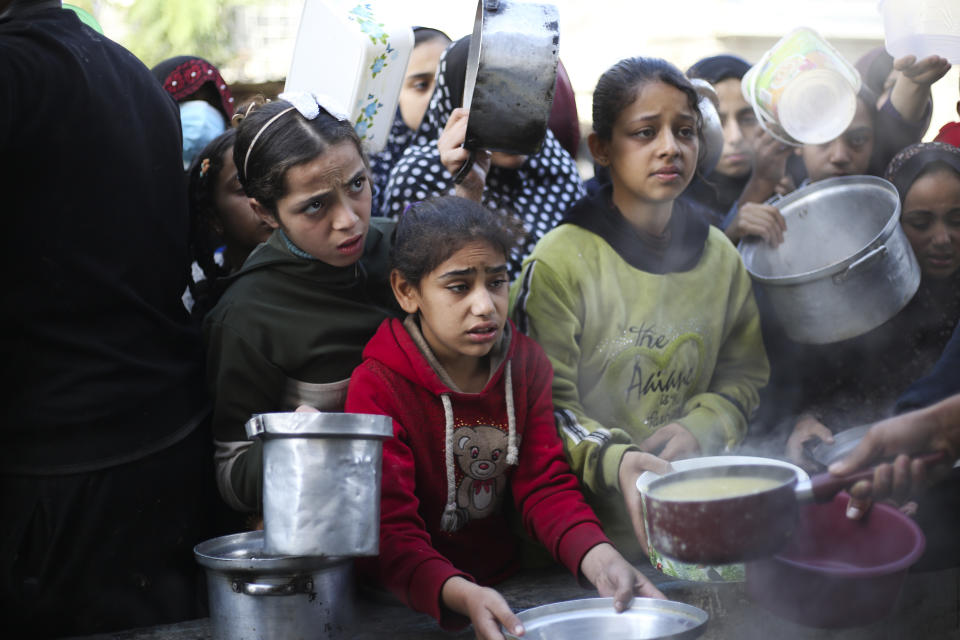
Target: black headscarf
x,y
907,165
718,68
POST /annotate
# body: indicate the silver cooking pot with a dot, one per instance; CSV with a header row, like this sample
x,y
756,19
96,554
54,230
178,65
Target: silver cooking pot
x,y
321,481
845,265
256,597
511,75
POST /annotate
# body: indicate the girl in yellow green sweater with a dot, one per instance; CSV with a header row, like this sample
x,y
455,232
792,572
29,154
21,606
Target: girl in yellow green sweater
x,y
645,311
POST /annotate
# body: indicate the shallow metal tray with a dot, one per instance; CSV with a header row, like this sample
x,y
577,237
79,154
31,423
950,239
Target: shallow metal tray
x,y
646,619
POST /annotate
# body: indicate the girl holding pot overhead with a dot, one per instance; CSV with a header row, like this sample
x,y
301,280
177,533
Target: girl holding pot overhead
x,y
291,325
645,310
537,188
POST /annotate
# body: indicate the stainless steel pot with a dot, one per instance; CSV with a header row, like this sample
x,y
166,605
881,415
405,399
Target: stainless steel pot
x,y
709,103
321,481
511,75
255,597
845,265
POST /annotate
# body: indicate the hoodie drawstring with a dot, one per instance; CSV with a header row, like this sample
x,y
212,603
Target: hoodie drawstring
x,y
451,521
513,454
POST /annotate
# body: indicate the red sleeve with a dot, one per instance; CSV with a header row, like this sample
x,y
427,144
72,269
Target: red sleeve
x,y
407,565
545,490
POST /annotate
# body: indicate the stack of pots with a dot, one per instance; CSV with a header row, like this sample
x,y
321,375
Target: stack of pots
x,y
321,508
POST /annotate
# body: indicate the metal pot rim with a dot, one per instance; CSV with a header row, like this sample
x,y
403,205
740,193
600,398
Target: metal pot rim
x,y
321,424
746,245
243,553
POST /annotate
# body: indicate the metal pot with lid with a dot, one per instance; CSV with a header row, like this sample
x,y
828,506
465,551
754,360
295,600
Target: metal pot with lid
x,y
321,481
845,265
254,596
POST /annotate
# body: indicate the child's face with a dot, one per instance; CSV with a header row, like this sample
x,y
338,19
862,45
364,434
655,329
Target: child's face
x,y
740,128
931,221
419,81
847,155
652,151
326,209
237,222
462,303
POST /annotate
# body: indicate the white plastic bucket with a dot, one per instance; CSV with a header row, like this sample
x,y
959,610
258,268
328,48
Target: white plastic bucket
x,y
802,90
922,28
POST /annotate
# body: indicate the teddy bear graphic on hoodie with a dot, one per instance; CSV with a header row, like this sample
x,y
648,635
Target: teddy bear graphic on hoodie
x,y
481,453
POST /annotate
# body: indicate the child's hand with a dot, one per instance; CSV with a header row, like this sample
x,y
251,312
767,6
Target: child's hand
x,y
755,219
613,576
672,442
806,429
923,72
632,465
453,155
485,607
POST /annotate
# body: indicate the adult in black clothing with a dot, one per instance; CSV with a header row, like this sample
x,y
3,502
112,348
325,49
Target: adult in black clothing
x,y
105,473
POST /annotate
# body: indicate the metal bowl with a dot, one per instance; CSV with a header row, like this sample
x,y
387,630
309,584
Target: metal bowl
x,y
646,619
843,443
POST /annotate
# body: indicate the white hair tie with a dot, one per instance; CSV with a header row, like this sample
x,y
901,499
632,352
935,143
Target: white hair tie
x,y
307,104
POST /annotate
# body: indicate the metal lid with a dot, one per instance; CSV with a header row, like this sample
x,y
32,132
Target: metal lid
x,y
307,424
646,619
243,552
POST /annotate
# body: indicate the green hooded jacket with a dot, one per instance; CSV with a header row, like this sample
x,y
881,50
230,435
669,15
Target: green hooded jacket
x,y
288,331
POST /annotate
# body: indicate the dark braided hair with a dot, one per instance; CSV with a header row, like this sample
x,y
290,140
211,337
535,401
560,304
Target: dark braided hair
x,y
431,231
289,141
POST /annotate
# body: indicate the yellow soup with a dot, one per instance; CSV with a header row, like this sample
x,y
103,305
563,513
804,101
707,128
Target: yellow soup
x,y
714,488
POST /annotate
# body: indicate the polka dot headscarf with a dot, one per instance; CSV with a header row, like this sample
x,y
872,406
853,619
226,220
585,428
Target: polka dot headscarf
x,y
539,192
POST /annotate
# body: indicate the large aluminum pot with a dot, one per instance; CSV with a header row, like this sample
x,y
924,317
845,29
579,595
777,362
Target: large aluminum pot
x,y
845,265
321,481
254,597
511,75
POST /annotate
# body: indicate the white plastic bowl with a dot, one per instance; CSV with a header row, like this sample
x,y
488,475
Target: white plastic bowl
x,y
922,28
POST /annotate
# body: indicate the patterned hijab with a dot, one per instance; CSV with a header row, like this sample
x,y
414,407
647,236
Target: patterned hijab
x,y
907,165
538,193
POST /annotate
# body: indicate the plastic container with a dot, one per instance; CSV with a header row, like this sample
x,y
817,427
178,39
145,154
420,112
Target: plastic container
x,y
922,28
353,62
802,90
838,572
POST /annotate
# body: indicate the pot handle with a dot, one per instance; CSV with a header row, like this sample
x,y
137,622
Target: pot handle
x,y
465,168
823,486
293,587
862,263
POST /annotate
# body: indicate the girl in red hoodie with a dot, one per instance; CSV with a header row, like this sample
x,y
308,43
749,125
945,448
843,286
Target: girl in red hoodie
x,y
470,399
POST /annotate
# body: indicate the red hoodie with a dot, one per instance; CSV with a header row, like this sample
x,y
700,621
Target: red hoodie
x,y
429,533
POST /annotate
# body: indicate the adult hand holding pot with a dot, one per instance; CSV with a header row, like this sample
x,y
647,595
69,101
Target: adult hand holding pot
x,y
935,428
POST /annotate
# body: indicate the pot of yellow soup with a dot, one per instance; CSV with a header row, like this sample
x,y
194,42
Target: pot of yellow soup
x,y
731,513
697,572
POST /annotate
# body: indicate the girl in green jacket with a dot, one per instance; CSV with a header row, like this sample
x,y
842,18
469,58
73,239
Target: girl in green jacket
x,y
292,324
645,311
